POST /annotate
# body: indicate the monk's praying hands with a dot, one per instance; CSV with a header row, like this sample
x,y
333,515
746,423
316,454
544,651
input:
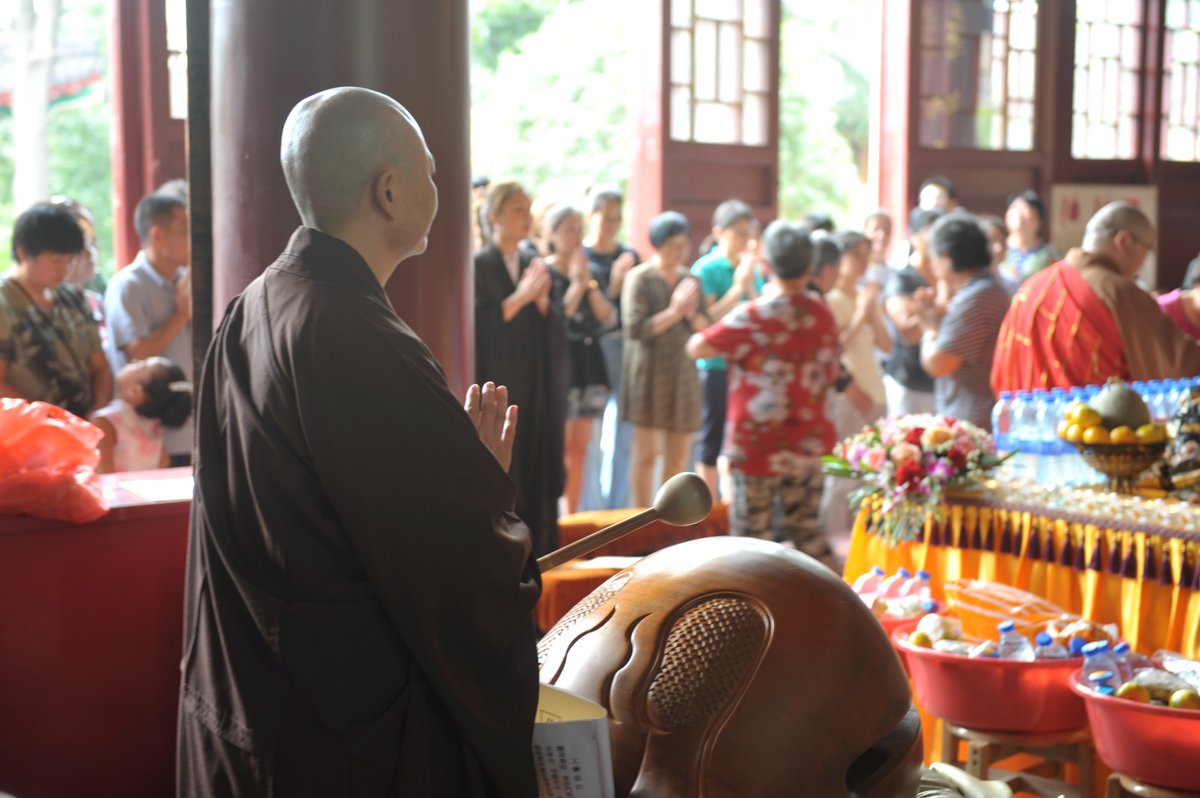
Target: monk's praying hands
x,y
495,419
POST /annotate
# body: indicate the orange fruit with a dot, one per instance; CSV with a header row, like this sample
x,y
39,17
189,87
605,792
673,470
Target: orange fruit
x,y
1132,691
919,638
1086,416
1122,435
1185,699
1063,428
1150,433
1096,434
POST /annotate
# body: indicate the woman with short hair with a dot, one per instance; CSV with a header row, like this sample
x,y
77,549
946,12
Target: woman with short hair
x,y
49,343
661,305
1028,249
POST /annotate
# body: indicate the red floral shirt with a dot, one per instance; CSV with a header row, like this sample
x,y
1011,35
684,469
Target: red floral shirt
x,y
783,358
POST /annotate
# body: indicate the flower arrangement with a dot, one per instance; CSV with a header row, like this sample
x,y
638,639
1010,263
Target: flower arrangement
x,y
907,463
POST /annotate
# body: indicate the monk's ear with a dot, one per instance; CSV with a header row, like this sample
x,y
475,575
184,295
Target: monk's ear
x,y
385,193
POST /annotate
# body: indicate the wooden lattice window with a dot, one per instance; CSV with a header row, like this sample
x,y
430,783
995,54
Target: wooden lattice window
x,y
1108,64
1181,82
978,74
177,58
720,61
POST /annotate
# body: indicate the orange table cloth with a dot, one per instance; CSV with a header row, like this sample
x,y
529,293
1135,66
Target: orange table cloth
x,y
566,586
1144,578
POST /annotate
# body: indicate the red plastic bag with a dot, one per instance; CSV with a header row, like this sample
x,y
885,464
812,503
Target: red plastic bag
x,y
48,461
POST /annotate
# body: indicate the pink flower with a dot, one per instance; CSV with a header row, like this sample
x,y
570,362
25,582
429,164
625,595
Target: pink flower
x,y
874,458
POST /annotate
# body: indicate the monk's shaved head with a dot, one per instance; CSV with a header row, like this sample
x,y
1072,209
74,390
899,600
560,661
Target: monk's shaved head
x,y
337,142
1112,219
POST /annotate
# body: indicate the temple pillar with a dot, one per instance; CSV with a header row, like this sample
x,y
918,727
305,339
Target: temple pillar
x,y
147,145
269,54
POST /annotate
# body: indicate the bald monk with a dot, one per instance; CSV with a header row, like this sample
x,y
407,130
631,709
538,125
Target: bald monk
x,y
1084,319
358,600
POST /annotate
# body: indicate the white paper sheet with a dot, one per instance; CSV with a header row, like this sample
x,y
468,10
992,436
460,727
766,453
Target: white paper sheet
x,y
570,746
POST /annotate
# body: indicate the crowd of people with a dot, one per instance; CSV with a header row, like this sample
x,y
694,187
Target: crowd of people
x,y
766,346
755,353
122,359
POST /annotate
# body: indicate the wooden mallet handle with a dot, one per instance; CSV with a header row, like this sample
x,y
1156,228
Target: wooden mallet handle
x,y
684,499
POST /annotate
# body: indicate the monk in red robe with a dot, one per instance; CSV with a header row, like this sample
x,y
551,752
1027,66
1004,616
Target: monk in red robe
x,y
1084,319
358,598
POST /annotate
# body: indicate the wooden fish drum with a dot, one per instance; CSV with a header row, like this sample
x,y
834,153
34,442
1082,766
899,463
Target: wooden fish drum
x,y
737,667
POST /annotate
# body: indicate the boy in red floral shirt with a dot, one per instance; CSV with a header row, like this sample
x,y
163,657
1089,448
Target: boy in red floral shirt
x,y
782,351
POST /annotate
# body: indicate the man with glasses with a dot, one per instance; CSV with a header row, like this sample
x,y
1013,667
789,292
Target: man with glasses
x,y
1084,319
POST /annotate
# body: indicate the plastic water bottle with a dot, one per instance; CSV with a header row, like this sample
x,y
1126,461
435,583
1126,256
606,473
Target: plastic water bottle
x,y
1022,435
1097,658
1099,681
1046,648
868,583
1002,422
1013,644
1049,412
917,585
1129,662
889,588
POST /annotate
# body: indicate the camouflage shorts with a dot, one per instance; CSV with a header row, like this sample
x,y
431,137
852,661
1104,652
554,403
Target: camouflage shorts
x,y
781,508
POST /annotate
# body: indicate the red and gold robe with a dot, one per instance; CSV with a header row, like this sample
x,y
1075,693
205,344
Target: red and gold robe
x,y
1080,322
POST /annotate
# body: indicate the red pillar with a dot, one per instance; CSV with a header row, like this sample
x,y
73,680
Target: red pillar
x,y
269,54
148,145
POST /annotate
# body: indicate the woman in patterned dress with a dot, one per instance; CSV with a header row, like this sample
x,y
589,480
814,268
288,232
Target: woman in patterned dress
x,y
662,305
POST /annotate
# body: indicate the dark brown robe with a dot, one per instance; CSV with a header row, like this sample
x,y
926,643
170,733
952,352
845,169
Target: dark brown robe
x,y
358,601
528,354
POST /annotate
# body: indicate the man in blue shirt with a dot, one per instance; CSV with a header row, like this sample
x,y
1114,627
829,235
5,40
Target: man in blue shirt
x,y
149,303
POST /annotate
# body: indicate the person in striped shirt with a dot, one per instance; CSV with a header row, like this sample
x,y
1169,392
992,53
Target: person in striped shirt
x,y
958,338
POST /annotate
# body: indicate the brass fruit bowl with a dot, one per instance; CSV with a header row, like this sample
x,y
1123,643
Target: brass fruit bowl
x,y
1121,462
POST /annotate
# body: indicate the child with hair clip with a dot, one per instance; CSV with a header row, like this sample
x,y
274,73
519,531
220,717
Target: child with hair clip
x,y
152,394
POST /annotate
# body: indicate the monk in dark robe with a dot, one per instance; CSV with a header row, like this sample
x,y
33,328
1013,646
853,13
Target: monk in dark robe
x,y
1084,319
521,342
358,598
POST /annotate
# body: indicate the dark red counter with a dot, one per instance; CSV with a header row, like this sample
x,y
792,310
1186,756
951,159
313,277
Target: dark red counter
x,y
90,642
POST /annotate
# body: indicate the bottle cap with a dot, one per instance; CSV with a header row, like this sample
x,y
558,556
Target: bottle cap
x,y
905,573
929,605
1098,677
1005,626
1044,639
878,571
1006,394
1121,648
1102,645
1090,648
924,575
1076,646
1106,689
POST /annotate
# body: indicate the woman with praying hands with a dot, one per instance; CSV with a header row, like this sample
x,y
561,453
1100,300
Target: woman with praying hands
x,y
520,341
661,306
588,313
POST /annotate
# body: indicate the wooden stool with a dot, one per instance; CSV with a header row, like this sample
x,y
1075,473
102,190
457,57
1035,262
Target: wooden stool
x,y
1046,777
1120,785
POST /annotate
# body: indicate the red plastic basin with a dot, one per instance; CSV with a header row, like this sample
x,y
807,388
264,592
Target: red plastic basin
x,y
1157,745
994,694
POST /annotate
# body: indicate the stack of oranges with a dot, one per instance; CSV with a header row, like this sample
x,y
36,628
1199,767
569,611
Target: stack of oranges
x,y
1084,424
